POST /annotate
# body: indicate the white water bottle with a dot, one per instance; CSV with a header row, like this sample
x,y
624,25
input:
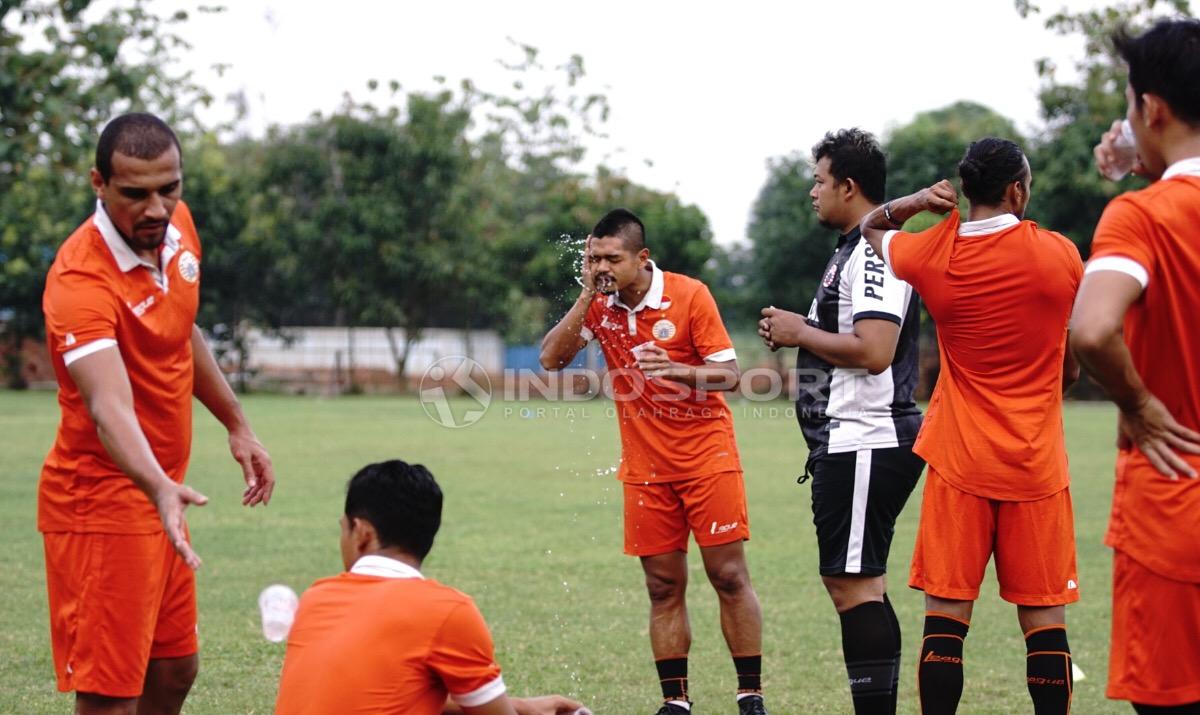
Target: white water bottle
x,y
1124,153
277,604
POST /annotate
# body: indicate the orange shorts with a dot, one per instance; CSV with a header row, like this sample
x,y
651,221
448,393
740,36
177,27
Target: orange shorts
x,y
1033,541
116,601
658,516
1155,652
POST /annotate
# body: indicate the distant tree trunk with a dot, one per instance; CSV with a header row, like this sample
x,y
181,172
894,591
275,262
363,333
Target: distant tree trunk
x,y
400,357
14,364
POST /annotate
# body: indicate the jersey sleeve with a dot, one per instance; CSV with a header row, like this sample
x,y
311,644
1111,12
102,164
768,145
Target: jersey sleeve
x,y
913,256
875,291
590,320
709,337
463,657
81,314
1122,241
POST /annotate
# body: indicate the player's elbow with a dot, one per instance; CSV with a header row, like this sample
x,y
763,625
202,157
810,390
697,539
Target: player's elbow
x,y
1090,337
877,362
550,361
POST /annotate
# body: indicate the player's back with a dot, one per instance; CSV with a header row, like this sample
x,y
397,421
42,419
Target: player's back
x,y
367,644
1000,293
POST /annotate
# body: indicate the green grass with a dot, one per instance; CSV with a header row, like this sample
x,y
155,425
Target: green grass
x,y
532,530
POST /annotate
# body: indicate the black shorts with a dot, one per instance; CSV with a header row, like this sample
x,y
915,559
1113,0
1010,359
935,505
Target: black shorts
x,y
856,497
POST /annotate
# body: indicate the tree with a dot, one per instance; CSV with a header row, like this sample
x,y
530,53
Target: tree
x,y
928,148
1069,195
63,73
790,247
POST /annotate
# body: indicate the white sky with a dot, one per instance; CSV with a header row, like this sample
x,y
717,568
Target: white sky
x,y
705,91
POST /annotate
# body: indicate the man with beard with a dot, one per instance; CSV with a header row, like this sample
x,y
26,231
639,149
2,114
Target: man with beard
x,y
858,417
120,307
669,356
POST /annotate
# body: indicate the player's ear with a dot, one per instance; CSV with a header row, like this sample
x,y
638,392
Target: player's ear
x,y
363,535
1154,110
849,188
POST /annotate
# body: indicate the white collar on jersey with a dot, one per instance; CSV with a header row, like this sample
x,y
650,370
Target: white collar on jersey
x,y
1184,167
127,260
653,297
376,565
985,226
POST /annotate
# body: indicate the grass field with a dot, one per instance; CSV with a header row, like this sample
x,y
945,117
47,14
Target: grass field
x,y
532,530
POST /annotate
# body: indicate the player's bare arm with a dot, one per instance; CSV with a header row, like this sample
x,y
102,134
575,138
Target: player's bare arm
x,y
1071,369
210,387
712,376
1096,339
871,347
941,198
104,385
564,341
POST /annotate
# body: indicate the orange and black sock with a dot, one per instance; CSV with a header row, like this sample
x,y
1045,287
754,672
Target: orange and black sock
x,y
940,671
1048,670
673,677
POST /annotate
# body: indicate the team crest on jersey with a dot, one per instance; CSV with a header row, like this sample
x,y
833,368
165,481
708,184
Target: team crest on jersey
x,y
664,303
663,330
189,266
830,275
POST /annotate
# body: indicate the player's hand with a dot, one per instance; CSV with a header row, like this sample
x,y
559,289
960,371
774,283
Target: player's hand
x,y
546,705
1156,433
171,500
256,466
586,278
1105,152
782,328
655,362
941,198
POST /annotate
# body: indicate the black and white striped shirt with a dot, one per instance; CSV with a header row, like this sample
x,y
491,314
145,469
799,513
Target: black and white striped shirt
x,y
845,409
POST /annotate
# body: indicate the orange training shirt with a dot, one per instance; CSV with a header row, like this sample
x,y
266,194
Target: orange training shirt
x,y
99,293
1000,292
669,431
1151,235
379,644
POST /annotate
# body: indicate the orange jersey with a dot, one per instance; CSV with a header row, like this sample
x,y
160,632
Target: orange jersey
x,y
1151,235
669,431
364,643
1000,292
99,293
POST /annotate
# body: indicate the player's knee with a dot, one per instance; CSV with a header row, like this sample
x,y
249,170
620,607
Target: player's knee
x,y
849,592
93,704
729,579
664,589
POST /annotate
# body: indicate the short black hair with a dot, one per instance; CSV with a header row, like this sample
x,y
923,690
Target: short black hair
x,y
988,167
402,501
855,154
623,223
1165,60
137,134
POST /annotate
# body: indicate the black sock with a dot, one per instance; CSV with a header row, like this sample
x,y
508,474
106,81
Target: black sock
x,y
940,671
749,673
672,676
870,647
1189,709
1048,670
899,639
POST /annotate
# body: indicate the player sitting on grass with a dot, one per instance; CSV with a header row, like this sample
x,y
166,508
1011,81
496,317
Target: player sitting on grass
x,y
1000,290
381,638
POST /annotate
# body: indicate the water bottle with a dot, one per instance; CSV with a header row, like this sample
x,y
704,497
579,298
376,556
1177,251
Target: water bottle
x,y
277,604
1124,153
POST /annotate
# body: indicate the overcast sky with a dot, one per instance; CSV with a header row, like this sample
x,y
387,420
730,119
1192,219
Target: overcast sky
x,y
704,92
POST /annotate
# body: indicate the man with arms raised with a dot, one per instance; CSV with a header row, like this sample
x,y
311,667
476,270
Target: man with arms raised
x,y
1000,290
380,637
120,307
1133,329
859,420
668,357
